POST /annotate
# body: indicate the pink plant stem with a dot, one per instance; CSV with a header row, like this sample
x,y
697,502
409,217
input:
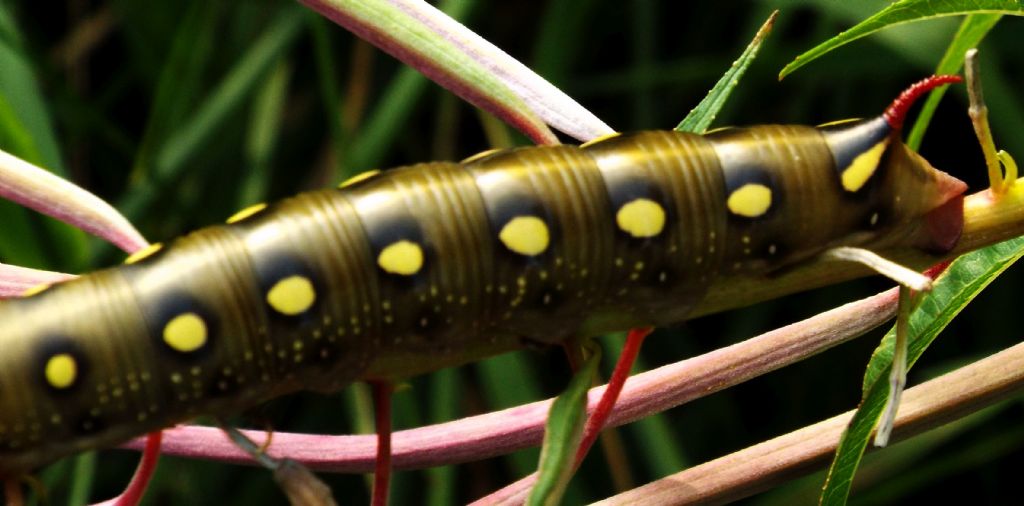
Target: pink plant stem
x,y
501,432
603,410
14,280
535,130
764,465
382,391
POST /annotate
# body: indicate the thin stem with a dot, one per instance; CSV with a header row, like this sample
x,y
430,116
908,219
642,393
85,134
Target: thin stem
x,y
382,391
898,374
603,410
764,465
892,270
132,494
978,112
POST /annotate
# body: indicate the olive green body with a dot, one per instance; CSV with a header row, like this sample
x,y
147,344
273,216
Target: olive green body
x,y
432,265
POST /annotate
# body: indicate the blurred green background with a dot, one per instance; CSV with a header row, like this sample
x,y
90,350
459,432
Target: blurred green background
x,y
180,112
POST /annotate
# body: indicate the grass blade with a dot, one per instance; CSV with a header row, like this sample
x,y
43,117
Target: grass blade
x,y
971,32
698,120
562,435
905,11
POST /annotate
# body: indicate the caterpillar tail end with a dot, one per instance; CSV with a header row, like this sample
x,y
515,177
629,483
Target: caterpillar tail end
x,y
945,223
897,111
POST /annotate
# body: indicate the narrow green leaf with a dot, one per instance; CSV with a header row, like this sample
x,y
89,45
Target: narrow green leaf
x,y
230,93
202,127
180,80
264,130
698,120
971,32
327,78
9,33
965,278
905,11
82,478
562,436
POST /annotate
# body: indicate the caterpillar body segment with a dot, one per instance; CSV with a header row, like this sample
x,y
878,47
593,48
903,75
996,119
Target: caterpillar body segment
x,y
436,264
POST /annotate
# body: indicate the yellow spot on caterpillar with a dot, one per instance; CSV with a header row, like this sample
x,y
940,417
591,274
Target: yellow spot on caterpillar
x,y
61,370
526,235
604,137
185,333
838,122
862,167
480,155
247,212
359,177
292,295
34,290
143,253
403,257
750,200
641,218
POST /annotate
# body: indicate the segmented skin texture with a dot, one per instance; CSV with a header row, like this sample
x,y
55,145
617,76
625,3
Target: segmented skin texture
x,y
421,267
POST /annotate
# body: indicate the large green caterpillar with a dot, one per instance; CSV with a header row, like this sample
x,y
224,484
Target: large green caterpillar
x,y
435,264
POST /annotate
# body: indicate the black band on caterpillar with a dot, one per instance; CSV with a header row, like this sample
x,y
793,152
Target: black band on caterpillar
x,y
421,267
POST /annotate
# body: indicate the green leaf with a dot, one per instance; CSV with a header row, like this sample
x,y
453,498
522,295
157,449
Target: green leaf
x,y
700,117
201,128
562,436
180,79
965,278
905,11
327,72
264,131
972,30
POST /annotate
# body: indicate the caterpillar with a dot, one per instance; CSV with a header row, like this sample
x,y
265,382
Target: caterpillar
x,y
420,267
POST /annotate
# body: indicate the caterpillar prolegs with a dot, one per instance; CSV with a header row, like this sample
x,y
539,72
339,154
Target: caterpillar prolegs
x,y
435,264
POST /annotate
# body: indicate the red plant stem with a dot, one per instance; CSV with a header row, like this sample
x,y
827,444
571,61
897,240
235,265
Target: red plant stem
x,y
132,494
603,410
382,418
897,112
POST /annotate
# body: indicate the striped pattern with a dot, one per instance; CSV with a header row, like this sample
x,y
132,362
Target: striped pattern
x,y
413,269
